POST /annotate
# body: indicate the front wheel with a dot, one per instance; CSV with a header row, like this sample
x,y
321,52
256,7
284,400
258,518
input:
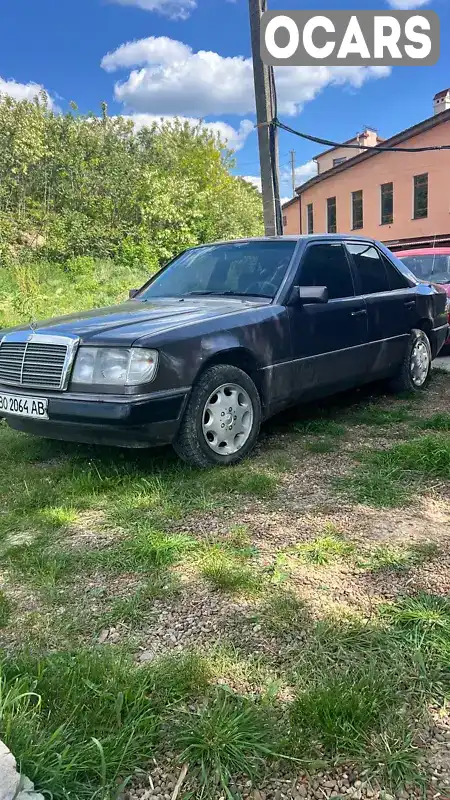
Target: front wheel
x,y
222,420
414,371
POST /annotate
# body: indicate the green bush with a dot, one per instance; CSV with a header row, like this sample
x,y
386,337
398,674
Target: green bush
x,y
74,187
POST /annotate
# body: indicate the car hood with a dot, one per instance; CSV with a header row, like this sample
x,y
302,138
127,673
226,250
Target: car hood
x,y
123,324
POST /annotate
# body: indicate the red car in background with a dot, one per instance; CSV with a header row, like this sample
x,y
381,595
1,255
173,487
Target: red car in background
x,y
430,264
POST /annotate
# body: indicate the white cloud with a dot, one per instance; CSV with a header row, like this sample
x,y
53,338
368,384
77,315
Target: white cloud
x,y
172,79
404,5
22,91
302,174
255,180
154,50
174,9
234,138
284,200
305,172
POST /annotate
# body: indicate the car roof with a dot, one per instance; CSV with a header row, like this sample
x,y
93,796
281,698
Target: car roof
x,y
293,238
424,251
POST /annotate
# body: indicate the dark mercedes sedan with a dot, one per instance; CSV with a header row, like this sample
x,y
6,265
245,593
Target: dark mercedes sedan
x,y
224,336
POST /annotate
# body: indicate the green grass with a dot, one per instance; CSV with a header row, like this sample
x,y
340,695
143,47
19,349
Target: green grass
x,y
388,557
227,573
42,290
320,427
324,549
375,415
135,609
340,713
422,613
391,477
96,536
324,445
284,612
437,422
225,737
80,723
5,610
240,480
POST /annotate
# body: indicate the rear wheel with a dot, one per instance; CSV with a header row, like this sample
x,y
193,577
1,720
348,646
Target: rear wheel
x,y
414,371
222,420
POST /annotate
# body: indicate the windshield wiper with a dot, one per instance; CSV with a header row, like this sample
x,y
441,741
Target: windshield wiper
x,y
228,293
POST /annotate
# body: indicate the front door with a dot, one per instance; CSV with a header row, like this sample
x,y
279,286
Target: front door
x,y
329,340
391,305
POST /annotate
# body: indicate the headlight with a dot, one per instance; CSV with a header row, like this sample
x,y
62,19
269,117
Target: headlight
x,y
115,366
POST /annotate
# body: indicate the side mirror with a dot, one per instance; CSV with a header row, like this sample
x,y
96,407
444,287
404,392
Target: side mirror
x,y
309,294
132,293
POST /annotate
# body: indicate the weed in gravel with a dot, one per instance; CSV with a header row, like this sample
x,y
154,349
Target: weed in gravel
x,y
324,549
5,610
390,477
42,566
437,422
421,624
240,480
374,487
428,456
58,516
320,427
374,415
341,711
176,677
423,613
228,573
394,758
226,736
136,608
145,551
323,445
284,612
389,557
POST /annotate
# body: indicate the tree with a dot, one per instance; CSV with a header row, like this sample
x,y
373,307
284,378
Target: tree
x,y
92,185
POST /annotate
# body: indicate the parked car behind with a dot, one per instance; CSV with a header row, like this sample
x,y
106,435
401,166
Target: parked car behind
x,y
429,264
223,337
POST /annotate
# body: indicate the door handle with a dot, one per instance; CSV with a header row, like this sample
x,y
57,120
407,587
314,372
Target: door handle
x,y
361,312
410,304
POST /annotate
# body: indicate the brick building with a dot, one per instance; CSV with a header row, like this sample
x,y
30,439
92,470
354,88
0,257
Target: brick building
x,y
402,199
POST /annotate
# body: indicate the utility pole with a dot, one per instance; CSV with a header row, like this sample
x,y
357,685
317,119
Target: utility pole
x,y
264,114
293,171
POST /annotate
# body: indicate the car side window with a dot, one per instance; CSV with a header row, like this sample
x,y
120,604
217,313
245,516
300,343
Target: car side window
x,y
369,267
327,265
396,279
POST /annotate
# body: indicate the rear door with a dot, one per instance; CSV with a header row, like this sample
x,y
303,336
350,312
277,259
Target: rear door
x,y
390,302
329,340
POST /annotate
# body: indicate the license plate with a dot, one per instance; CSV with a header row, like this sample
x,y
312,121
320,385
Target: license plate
x,y
21,406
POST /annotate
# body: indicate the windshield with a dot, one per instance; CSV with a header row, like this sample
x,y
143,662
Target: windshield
x,y
429,267
254,268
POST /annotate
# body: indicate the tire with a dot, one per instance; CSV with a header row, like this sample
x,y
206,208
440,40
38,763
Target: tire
x,y
202,433
414,371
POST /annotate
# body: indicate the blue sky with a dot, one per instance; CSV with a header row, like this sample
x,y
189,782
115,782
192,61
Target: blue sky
x,y
152,58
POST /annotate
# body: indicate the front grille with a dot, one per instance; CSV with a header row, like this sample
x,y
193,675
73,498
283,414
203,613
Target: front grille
x,y
32,363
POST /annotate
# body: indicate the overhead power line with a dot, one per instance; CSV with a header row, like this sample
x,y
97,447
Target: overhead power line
x,y
275,123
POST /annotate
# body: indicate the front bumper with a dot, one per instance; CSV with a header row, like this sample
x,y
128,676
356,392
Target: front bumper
x,y
141,421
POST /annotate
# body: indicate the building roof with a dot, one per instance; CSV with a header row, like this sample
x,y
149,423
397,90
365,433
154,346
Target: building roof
x,y
356,139
439,95
289,202
393,141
